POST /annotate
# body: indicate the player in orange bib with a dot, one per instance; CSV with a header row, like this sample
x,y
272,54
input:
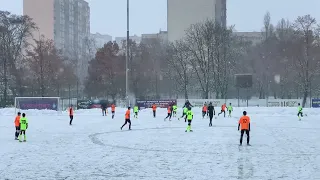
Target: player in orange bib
x,y
169,109
244,123
204,110
223,110
17,125
113,110
154,110
70,110
127,119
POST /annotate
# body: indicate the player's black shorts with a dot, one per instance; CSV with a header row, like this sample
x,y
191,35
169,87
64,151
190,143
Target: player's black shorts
x,y
17,128
136,113
127,121
112,112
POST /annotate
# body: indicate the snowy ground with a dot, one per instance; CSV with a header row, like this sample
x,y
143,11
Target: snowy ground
x,y
95,148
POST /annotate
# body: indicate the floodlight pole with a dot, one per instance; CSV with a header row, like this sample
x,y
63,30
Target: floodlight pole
x,y
127,58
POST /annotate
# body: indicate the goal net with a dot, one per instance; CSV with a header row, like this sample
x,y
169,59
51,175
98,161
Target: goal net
x,y
25,103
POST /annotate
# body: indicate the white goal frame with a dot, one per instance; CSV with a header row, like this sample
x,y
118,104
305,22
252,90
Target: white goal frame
x,y
18,108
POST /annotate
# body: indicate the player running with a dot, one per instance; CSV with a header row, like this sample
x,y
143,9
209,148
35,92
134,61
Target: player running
x,y
127,119
70,110
184,113
113,110
154,110
211,113
23,127
169,109
230,109
17,125
187,104
300,113
174,110
204,110
244,122
135,110
189,117
223,110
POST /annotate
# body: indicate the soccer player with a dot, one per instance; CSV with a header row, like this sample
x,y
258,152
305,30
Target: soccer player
x,y
211,113
204,110
300,113
17,125
104,109
113,110
154,109
223,110
136,110
169,109
244,122
127,119
70,110
23,127
189,118
174,110
230,109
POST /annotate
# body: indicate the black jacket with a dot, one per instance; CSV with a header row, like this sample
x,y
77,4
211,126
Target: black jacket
x,y
211,110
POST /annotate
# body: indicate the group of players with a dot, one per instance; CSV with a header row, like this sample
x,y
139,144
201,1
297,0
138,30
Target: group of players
x,y
187,114
21,123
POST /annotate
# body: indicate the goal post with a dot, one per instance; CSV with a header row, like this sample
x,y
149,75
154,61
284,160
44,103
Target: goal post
x,y
25,103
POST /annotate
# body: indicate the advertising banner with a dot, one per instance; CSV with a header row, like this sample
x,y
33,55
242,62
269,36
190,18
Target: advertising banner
x,y
91,104
38,103
142,104
316,103
200,102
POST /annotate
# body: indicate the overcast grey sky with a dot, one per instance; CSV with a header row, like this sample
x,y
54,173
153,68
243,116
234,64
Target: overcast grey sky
x,y
149,16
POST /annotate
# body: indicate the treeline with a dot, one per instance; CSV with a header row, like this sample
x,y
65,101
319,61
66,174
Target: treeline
x,y
201,65
204,63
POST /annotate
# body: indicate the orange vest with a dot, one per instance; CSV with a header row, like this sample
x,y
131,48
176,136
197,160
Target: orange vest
x,y
17,121
71,111
204,108
154,107
127,114
113,107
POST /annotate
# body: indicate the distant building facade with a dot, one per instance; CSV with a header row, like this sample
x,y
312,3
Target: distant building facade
x,y
162,36
120,40
67,22
254,37
182,14
100,39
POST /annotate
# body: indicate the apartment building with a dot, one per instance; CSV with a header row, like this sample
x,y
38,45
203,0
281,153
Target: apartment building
x,y
67,22
182,14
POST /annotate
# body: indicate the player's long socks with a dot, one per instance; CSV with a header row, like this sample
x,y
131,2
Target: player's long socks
x,y
188,128
20,137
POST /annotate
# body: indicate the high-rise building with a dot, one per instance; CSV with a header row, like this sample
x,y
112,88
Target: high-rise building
x,y
183,13
67,22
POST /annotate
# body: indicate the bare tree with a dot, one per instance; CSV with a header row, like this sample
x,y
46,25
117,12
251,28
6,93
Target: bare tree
x,y
307,64
47,69
179,62
14,33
